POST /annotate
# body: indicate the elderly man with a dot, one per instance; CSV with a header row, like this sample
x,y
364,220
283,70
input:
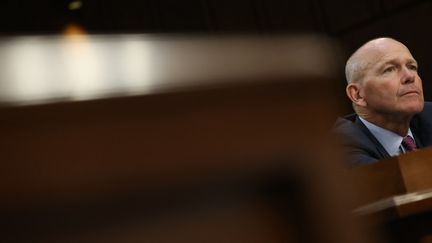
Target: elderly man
x,y
386,91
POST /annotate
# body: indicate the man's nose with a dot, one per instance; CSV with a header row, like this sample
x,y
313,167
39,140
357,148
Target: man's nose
x,y
408,75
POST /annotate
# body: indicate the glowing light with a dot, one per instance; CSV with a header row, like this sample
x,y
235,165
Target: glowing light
x,y
74,31
75,5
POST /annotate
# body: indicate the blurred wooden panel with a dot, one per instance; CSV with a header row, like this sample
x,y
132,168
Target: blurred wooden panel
x,y
231,133
40,69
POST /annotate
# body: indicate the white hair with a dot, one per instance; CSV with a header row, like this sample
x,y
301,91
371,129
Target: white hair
x,y
355,69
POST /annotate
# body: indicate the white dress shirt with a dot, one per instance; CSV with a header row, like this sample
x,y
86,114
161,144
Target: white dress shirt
x,y
388,139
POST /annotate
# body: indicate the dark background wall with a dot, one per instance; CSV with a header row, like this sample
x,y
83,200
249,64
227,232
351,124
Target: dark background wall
x,y
351,23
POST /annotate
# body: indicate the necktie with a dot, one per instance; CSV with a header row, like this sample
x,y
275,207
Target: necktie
x,y
408,143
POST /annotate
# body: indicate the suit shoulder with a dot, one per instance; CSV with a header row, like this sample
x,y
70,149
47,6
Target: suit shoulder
x,y
427,106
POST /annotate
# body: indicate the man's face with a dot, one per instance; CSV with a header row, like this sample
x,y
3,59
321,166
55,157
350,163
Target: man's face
x,y
391,84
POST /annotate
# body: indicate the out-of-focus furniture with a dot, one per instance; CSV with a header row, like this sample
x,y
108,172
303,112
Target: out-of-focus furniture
x,y
398,191
135,138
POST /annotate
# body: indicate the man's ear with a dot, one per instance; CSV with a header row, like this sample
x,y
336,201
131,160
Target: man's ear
x,y
353,92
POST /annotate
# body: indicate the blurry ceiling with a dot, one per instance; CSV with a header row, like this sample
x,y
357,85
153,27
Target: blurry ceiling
x,y
349,22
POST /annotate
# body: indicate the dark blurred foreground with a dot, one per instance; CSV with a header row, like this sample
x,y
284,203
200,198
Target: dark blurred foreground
x,y
135,138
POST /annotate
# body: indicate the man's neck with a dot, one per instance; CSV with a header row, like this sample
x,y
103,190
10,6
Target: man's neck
x,y
396,124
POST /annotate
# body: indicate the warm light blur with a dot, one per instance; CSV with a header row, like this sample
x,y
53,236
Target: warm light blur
x,y
73,30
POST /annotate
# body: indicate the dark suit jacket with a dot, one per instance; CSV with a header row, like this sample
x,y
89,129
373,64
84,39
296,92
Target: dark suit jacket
x,y
363,148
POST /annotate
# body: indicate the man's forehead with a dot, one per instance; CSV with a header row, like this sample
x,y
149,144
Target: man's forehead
x,y
395,56
386,51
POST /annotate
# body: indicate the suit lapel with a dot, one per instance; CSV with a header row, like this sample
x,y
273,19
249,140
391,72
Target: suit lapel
x,y
378,146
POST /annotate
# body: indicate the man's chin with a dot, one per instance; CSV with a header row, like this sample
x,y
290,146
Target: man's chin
x,y
413,108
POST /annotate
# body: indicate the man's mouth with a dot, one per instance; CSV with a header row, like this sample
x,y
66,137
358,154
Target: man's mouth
x,y
410,92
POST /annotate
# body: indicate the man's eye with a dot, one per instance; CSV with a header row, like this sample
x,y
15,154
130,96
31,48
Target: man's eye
x,y
389,69
413,67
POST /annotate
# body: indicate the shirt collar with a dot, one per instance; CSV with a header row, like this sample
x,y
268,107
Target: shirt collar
x,y
388,139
